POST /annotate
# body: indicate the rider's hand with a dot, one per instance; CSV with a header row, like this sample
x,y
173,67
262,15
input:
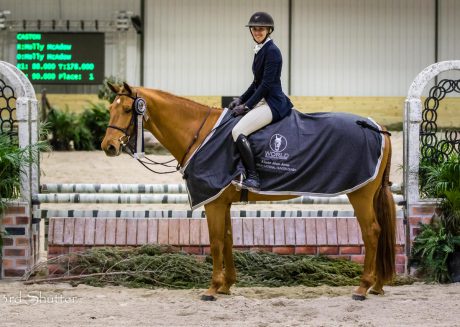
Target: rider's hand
x,y
234,103
240,110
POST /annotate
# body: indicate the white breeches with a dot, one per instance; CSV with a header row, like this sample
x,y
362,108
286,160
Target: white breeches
x,y
258,117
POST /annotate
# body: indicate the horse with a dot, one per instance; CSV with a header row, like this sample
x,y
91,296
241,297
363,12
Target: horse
x,y
181,125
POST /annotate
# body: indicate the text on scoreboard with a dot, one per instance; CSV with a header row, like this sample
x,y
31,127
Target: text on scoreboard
x,y
61,58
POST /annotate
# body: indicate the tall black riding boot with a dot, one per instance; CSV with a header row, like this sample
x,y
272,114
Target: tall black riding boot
x,y
252,179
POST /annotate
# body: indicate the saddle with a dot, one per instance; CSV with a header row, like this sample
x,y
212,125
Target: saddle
x,y
321,154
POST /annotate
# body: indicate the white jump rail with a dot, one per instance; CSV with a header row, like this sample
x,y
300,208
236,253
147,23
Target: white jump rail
x,y
170,199
128,188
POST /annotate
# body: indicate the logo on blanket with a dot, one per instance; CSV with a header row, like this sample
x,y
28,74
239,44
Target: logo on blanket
x,y
278,144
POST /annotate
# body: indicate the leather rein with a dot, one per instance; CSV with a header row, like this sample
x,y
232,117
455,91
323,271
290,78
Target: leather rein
x,y
124,139
195,138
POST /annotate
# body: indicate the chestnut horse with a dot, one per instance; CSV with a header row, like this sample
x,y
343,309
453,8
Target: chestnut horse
x,y
181,125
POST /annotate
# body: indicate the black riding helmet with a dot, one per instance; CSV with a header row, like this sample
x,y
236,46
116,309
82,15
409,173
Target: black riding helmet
x,y
261,19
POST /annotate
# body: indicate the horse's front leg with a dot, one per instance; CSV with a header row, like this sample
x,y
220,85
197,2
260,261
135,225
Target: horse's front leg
x,y
230,271
215,216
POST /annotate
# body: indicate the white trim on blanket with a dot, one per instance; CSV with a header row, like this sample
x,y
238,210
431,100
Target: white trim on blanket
x,y
208,200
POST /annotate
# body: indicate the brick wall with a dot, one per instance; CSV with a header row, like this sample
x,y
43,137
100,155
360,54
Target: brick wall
x,y
335,237
21,244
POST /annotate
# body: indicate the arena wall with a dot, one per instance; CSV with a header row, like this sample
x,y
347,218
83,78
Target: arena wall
x,y
201,47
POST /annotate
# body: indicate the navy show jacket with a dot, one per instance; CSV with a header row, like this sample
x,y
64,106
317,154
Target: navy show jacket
x,y
267,82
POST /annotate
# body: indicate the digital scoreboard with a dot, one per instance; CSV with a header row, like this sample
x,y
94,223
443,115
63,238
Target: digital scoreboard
x,y
61,58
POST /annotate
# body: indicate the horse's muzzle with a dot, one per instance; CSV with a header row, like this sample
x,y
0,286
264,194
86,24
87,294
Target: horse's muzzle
x,y
110,149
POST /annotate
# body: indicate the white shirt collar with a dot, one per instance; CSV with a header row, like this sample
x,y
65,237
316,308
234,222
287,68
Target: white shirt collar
x,y
257,47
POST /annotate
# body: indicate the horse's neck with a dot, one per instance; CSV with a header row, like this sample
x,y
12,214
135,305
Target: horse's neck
x,y
174,121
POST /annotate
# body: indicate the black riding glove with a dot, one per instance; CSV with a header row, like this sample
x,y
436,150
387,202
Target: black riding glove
x,y
240,110
234,103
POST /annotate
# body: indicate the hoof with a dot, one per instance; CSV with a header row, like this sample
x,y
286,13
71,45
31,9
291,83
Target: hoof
x,y
358,297
208,298
374,292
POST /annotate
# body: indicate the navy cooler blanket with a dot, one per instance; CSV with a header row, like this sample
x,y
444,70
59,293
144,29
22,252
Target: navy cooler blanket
x,y
321,154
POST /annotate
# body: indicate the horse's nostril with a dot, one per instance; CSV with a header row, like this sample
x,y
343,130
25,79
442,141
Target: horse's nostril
x,y
111,150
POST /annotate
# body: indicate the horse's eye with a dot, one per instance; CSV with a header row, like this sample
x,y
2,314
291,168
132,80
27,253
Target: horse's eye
x,y
127,110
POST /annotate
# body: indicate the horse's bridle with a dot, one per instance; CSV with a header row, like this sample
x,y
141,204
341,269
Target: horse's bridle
x,y
138,108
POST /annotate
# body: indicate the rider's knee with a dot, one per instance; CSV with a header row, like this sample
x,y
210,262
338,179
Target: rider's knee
x,y
236,132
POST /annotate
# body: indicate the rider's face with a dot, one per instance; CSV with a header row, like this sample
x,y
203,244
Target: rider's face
x,y
259,33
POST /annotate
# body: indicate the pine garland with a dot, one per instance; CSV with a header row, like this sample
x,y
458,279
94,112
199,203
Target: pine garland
x,y
153,266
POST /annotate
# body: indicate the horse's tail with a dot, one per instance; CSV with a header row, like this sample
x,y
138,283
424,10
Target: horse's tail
x,y
386,216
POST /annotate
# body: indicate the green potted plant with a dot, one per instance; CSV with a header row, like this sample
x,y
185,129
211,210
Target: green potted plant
x,y
436,250
432,251
95,119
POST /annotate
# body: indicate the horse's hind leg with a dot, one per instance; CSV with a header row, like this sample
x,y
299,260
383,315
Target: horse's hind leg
x,y
370,229
377,289
215,216
230,272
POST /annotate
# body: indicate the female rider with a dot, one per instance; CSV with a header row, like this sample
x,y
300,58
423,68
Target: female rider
x,y
264,101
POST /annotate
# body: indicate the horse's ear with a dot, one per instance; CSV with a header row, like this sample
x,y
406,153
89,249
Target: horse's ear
x,y
115,88
127,88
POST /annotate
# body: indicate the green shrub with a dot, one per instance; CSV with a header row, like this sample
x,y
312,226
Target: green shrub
x,y
12,158
62,126
437,241
431,251
70,131
442,181
442,177
96,119
83,138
